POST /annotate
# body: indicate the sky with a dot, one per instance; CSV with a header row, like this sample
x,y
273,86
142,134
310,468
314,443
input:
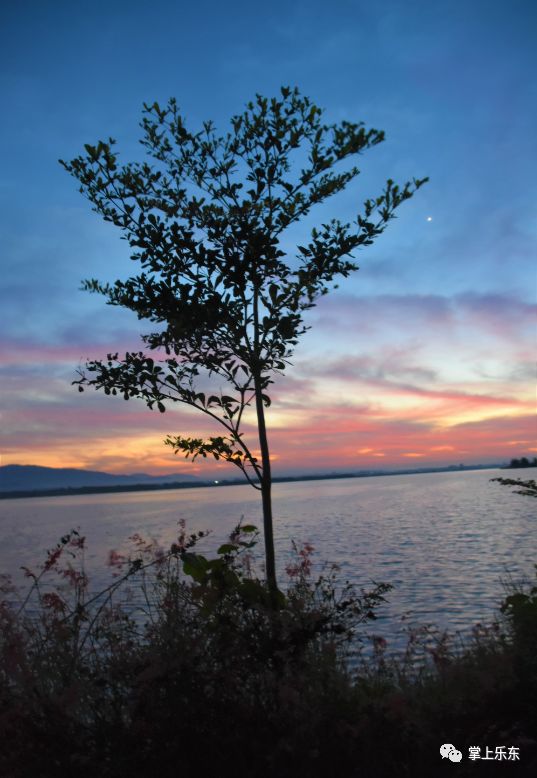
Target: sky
x,y
423,357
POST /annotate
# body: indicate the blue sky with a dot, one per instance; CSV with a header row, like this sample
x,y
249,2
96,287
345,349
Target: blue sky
x,y
437,324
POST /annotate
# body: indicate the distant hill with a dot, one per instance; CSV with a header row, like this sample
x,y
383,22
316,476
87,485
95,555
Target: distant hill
x,y
35,481
29,478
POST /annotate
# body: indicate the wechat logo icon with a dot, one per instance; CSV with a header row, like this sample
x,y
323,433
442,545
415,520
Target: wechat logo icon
x,y
448,751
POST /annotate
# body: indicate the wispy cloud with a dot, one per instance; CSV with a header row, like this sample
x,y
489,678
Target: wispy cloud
x,y
430,378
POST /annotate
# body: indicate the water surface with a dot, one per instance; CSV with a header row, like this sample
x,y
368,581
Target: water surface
x,y
443,540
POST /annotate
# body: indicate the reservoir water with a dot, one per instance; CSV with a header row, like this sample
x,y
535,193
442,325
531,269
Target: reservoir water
x,y
443,540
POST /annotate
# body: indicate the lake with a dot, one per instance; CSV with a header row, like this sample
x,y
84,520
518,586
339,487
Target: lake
x,y
443,540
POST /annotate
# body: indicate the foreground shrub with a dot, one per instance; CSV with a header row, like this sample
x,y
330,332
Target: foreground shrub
x,y
183,664
189,662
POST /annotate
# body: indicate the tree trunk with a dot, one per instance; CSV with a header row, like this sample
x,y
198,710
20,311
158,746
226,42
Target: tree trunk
x,y
266,488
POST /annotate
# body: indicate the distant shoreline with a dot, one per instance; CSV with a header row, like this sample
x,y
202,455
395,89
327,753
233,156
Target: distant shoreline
x,y
73,491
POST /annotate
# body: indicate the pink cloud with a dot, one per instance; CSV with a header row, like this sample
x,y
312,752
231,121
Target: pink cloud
x,y
403,391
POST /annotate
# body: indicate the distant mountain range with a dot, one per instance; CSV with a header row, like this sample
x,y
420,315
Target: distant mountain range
x,y
35,481
30,478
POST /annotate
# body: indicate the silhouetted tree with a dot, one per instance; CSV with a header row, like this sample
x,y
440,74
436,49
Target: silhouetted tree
x,y
206,220
523,462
